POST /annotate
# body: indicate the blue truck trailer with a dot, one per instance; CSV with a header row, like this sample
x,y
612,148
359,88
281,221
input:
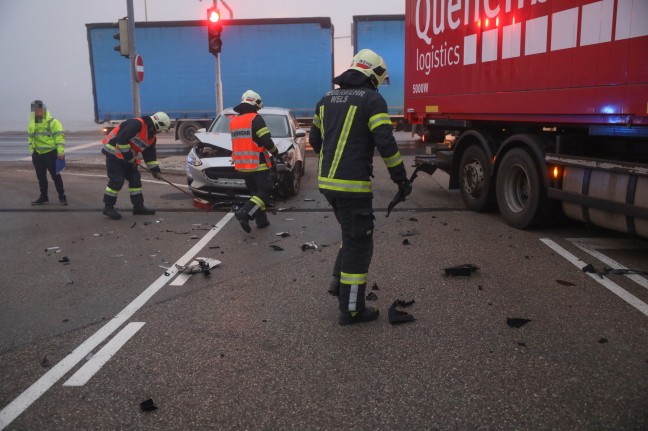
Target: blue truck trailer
x,y
385,34
288,61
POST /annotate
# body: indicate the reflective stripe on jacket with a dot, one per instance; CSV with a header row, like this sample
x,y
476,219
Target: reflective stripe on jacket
x,y
246,154
46,135
137,143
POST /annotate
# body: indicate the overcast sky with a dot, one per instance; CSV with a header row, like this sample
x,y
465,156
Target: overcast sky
x,y
45,49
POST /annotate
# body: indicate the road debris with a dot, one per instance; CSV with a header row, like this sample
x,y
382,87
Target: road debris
x,y
148,405
64,260
54,249
45,362
308,245
465,270
397,316
276,247
517,322
624,271
202,265
410,232
282,234
565,283
371,296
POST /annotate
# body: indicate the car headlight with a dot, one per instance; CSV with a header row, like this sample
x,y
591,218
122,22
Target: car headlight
x,y
193,159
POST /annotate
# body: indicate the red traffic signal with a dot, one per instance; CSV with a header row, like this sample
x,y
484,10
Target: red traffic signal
x,y
214,30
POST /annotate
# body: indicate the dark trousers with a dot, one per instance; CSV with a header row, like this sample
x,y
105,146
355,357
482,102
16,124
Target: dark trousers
x,y
356,219
43,163
119,171
259,183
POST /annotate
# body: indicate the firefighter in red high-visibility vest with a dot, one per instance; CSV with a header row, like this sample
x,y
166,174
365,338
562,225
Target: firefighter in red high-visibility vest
x,y
121,147
252,146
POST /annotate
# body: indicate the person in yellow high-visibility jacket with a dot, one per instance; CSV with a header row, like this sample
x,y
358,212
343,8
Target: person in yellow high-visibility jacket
x,y
46,145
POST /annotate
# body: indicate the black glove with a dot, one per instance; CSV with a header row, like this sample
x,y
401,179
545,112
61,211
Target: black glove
x,y
155,171
404,187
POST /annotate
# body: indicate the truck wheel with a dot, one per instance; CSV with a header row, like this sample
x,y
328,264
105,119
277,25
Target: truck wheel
x,y
187,131
520,194
476,180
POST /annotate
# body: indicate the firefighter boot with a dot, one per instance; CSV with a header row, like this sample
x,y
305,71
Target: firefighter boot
x,y
244,220
109,207
138,206
352,305
261,220
41,200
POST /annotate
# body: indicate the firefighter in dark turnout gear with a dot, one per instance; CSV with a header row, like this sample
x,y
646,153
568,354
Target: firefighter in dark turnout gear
x,y
349,123
251,149
121,147
46,145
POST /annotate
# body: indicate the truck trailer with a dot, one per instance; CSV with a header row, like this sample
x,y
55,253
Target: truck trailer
x,y
288,61
548,100
385,34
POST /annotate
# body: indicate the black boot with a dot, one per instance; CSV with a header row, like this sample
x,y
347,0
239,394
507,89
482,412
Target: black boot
x,y
244,220
334,286
41,200
63,200
368,314
142,210
111,212
261,220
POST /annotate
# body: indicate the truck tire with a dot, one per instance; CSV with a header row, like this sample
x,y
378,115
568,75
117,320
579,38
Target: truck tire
x,y
521,195
476,180
187,131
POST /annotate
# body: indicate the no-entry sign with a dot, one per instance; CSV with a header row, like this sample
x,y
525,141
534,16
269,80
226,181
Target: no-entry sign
x,y
139,68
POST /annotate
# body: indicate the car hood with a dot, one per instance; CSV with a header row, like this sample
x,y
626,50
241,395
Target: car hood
x,y
224,140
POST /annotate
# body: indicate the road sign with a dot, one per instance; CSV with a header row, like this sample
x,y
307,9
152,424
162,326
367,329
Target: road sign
x,y
139,68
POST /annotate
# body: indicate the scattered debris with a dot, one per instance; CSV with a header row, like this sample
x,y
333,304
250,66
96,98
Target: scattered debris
x,y
371,296
461,270
276,247
64,260
96,234
602,340
413,219
203,264
589,268
148,405
410,232
133,225
282,234
565,283
624,271
52,248
406,241
68,281
89,356
308,245
375,286
516,322
402,303
397,316
309,200
193,237
45,362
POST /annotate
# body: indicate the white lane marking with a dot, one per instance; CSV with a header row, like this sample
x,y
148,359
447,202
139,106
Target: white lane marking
x,y
180,280
94,364
604,281
160,183
47,380
72,149
587,248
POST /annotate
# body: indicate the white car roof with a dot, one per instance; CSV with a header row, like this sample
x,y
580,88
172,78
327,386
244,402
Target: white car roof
x,y
264,110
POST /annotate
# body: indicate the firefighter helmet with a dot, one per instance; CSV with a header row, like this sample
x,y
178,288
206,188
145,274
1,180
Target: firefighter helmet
x,y
372,65
161,121
252,98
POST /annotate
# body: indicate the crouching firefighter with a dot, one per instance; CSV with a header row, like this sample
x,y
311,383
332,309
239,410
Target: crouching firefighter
x,y
121,147
349,123
251,149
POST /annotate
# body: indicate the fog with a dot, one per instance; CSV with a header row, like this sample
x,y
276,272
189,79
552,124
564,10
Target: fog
x,y
45,49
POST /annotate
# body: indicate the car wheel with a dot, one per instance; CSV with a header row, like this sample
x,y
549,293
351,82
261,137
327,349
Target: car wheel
x,y
292,180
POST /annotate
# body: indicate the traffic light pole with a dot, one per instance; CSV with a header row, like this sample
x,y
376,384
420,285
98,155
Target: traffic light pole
x,y
219,87
132,53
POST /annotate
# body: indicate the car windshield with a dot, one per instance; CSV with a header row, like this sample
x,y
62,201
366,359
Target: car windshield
x,y
278,124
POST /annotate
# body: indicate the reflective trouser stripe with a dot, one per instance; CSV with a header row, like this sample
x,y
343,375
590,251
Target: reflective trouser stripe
x,y
347,278
353,297
135,191
258,205
111,192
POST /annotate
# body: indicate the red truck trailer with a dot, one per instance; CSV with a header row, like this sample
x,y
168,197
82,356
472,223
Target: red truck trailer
x,y
548,100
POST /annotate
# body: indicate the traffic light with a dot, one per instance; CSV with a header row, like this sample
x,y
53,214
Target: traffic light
x,y
214,29
122,37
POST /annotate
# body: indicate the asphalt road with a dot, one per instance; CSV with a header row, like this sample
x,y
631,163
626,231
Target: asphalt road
x,y
256,345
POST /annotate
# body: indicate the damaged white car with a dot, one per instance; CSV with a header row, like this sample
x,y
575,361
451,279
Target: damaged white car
x,y
210,171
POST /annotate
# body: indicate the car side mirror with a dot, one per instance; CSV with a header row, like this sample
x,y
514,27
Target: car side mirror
x,y
300,133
